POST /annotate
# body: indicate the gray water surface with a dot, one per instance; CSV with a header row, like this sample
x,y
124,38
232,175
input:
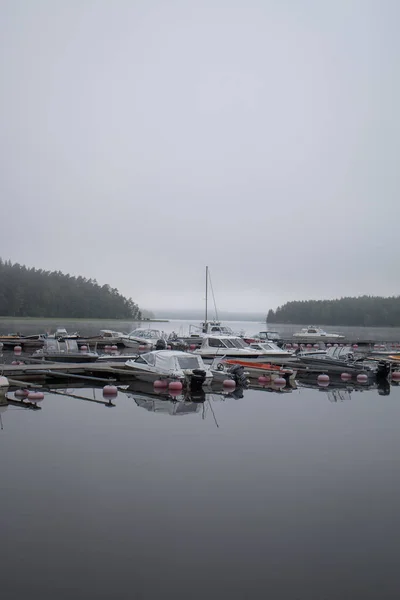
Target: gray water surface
x,y
272,495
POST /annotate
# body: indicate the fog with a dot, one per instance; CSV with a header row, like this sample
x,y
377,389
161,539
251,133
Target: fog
x,y
141,140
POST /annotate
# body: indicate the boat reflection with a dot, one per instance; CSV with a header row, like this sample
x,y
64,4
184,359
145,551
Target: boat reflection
x,y
339,391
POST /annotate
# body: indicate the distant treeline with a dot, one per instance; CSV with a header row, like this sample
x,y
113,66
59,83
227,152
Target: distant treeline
x,y
35,293
364,310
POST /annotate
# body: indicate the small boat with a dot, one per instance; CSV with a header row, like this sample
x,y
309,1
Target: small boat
x,y
62,334
173,365
256,369
66,350
271,350
142,337
230,346
264,336
342,359
316,333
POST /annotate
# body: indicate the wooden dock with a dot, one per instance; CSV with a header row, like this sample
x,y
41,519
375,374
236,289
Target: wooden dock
x,y
100,372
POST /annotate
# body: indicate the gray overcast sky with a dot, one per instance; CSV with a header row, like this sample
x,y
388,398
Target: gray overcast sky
x,y
141,140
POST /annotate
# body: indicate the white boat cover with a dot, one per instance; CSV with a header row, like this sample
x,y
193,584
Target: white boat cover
x,y
169,360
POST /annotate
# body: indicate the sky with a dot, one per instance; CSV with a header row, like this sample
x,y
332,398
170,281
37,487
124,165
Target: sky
x,y
143,140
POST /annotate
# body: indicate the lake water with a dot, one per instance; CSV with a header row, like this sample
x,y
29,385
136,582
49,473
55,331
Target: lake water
x,y
255,494
93,327
262,494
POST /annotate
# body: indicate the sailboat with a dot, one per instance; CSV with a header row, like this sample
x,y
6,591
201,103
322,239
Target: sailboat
x,y
211,327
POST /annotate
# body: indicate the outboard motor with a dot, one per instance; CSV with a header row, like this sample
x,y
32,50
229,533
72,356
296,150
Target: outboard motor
x,y
383,370
197,379
237,371
161,344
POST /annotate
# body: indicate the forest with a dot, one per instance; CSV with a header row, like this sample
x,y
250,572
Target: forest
x,y
361,311
30,292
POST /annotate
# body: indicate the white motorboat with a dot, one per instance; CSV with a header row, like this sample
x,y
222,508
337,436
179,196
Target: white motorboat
x,y
271,350
64,350
229,346
173,365
264,336
142,337
316,333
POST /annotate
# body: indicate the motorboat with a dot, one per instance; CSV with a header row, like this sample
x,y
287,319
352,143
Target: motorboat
x,y
271,350
66,350
173,365
62,333
257,369
235,347
229,346
264,336
343,359
4,385
142,337
316,333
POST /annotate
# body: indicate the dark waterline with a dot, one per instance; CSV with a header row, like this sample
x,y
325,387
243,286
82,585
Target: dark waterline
x,y
291,496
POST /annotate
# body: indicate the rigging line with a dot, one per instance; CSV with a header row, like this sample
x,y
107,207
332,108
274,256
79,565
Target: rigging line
x,y
213,414
212,292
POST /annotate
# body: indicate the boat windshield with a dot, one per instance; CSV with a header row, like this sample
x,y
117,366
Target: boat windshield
x,y
188,362
238,343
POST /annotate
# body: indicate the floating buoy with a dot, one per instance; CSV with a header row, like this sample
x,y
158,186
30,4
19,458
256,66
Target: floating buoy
x,y
396,375
335,345
329,345
288,345
279,382
341,345
355,346
114,347
175,385
110,391
107,347
17,349
192,347
309,346
362,378
229,383
142,348
84,348
295,346
35,396
264,379
21,393
345,376
160,383
16,362
323,380
169,347
316,345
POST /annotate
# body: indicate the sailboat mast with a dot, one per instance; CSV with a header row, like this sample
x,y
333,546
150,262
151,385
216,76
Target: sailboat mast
x,y
205,320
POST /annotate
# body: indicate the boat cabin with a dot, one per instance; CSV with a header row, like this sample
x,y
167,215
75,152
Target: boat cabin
x,y
146,334
268,347
226,342
272,336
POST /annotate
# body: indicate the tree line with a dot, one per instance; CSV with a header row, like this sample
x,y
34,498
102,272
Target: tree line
x,y
360,311
30,292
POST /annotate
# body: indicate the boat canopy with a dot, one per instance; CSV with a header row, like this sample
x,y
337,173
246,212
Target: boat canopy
x,y
54,345
146,334
268,347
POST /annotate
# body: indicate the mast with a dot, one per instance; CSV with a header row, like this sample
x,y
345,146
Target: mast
x,y
205,320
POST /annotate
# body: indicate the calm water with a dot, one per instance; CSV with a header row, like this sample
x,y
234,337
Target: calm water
x,y
270,495
91,328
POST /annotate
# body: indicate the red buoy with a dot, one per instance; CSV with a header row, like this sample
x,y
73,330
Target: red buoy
x,y
264,379
21,393
329,345
362,378
35,396
309,346
323,380
110,391
114,347
17,349
345,376
316,345
160,383
142,348
169,347
396,375
84,348
192,347
279,382
355,346
175,385
229,383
